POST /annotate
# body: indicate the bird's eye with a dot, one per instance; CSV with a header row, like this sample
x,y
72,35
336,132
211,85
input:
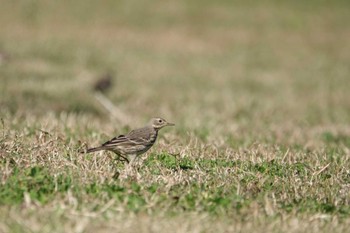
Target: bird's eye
x,y
160,120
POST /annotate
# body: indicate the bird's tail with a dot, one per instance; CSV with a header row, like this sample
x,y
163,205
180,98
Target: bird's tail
x,y
90,150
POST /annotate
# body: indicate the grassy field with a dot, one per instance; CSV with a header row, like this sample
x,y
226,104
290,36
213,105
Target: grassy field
x,y
259,92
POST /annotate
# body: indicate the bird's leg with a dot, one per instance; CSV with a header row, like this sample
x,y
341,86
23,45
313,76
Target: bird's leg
x,y
124,159
130,166
119,158
132,159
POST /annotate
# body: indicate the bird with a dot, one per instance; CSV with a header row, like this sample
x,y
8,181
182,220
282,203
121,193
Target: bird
x,y
104,83
129,146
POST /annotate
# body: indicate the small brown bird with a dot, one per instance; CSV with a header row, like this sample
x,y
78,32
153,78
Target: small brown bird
x,y
104,83
136,142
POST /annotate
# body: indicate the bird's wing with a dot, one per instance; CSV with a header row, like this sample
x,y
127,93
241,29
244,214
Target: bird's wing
x,y
135,137
143,135
115,140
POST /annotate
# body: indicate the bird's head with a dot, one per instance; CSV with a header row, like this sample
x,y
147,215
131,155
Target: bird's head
x,y
159,123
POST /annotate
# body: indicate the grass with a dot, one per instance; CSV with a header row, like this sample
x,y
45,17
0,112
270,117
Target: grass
x,y
258,92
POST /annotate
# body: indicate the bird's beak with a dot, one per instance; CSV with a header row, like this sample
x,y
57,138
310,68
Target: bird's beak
x,y
170,124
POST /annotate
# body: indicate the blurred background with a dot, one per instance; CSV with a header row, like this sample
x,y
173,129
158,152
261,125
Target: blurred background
x,y
232,68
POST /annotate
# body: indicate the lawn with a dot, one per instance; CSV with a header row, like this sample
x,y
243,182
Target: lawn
x,y
258,90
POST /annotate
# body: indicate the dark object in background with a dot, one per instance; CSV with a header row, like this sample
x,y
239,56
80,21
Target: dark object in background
x,y
104,83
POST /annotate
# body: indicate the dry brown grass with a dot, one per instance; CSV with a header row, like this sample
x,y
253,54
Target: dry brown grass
x,y
258,92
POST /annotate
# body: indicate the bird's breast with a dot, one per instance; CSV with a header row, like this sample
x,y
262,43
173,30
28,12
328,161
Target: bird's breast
x,y
153,137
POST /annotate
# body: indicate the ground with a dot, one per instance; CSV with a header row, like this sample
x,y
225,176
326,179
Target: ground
x,y
258,90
